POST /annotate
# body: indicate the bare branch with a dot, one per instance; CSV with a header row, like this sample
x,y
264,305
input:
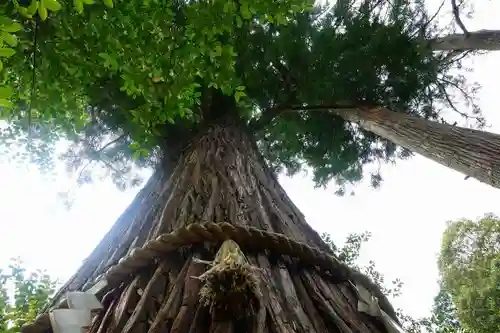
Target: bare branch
x,y
460,55
464,93
454,108
426,24
82,170
95,156
456,14
112,142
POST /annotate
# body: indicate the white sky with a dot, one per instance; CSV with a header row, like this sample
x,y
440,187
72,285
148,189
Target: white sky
x,y
406,216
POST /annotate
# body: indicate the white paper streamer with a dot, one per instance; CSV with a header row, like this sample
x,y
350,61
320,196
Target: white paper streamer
x,y
369,305
78,316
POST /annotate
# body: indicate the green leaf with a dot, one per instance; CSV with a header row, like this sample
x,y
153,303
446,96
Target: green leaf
x,y
52,5
238,95
33,7
4,21
24,12
12,27
108,3
6,92
228,6
144,152
109,60
105,56
136,154
78,6
6,52
1,65
218,50
42,11
8,38
239,22
5,103
245,12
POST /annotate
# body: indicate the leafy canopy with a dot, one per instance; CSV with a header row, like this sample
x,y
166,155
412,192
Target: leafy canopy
x,y
22,296
443,317
470,266
121,79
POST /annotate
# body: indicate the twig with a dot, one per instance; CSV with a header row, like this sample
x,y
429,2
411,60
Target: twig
x,y
426,24
110,143
456,86
452,105
80,174
93,157
461,55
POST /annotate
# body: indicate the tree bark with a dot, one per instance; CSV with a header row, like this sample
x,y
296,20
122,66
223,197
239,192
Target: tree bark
x,y
487,40
472,152
220,178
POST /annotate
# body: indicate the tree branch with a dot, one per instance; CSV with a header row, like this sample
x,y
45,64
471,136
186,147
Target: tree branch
x,y
269,114
448,60
454,107
112,142
265,119
480,40
95,156
425,25
456,14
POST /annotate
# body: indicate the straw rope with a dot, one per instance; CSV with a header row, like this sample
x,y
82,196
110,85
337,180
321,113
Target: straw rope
x,y
246,237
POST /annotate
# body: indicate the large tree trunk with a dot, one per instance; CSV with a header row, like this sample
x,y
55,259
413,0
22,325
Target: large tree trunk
x,y
472,152
220,178
487,40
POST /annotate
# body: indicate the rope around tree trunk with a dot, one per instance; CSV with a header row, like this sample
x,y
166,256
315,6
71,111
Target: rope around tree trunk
x,y
246,237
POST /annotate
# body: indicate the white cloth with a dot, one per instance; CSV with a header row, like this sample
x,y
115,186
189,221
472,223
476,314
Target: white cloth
x,y
78,317
369,305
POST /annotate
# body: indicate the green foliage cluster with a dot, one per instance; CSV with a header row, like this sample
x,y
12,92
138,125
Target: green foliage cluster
x,y
470,266
443,318
349,254
22,296
136,72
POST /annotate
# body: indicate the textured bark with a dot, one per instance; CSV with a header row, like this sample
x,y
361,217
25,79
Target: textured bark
x,y
220,177
471,152
487,40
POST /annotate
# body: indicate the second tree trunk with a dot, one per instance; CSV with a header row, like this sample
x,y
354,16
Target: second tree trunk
x,y
472,152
